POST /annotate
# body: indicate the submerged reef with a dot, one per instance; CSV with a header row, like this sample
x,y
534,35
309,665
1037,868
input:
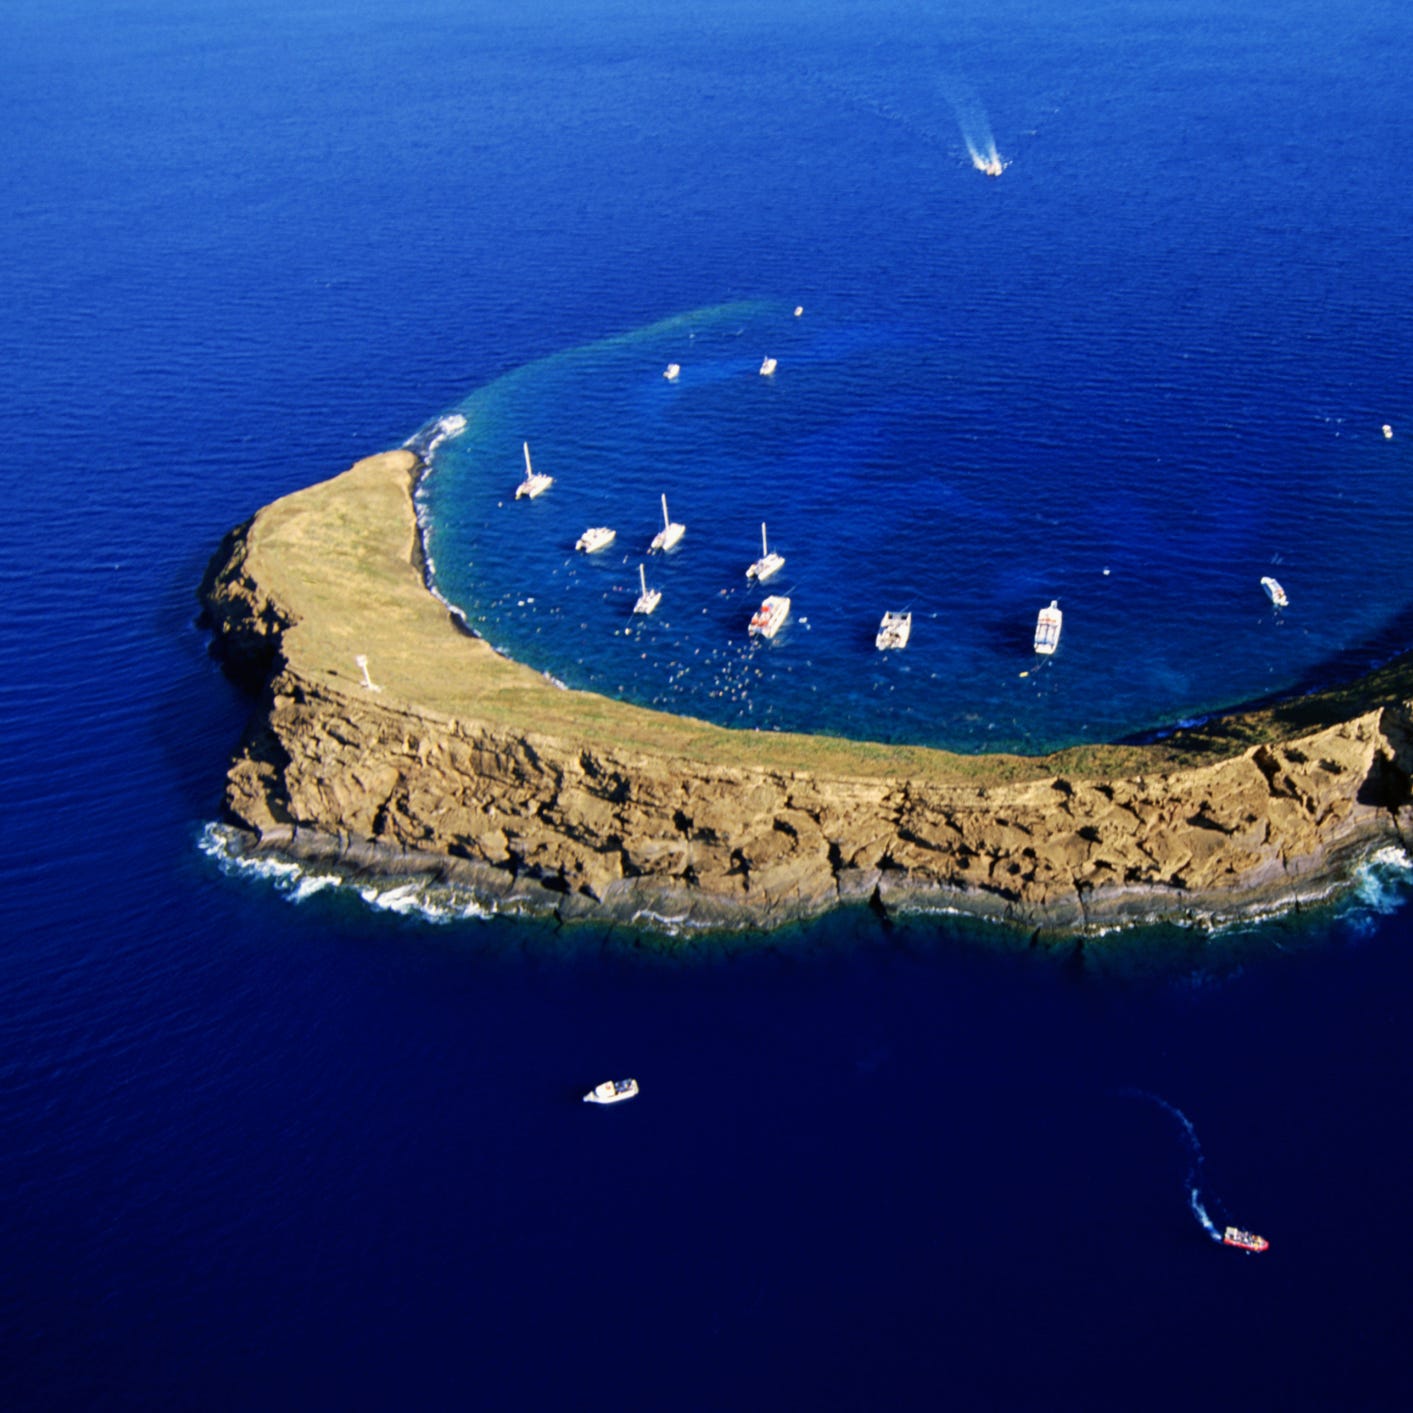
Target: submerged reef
x,y
436,756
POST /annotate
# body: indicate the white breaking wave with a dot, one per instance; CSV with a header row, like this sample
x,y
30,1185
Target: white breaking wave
x,y
425,898
1384,881
426,440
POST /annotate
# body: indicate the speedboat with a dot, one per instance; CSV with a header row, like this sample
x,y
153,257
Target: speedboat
x,y
1274,592
1047,628
535,482
612,1091
671,531
894,631
649,598
991,164
671,372
768,563
767,367
595,538
1245,1240
767,620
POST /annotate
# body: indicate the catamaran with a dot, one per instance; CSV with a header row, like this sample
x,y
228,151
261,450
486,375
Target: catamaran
x,y
894,631
768,563
535,482
1274,592
670,533
649,598
1047,628
768,618
595,538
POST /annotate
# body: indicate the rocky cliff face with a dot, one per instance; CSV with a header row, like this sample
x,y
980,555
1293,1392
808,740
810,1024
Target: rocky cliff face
x,y
584,827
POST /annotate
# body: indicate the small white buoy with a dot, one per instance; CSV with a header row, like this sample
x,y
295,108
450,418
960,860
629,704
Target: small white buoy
x,y
799,309
1388,432
1106,573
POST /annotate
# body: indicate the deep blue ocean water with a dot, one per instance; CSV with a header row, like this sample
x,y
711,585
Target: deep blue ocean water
x,y
266,1144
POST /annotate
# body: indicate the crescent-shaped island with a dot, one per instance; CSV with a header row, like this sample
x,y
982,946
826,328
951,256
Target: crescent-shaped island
x,y
437,757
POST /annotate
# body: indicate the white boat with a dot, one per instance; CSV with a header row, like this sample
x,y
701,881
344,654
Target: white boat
x,y
768,563
799,309
894,631
649,598
612,1091
767,367
767,620
671,372
595,538
535,482
1274,592
671,531
991,164
1047,628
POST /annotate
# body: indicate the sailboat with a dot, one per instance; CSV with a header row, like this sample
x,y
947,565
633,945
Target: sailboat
x,y
649,598
671,531
535,482
768,563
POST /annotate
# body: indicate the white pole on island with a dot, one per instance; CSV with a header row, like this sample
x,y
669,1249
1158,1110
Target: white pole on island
x,y
368,682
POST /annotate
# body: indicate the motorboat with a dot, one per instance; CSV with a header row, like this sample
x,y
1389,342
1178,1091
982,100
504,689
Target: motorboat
x,y
595,538
1244,1240
535,482
991,164
612,1091
768,619
671,531
1047,628
649,598
1274,592
671,372
768,563
767,367
894,631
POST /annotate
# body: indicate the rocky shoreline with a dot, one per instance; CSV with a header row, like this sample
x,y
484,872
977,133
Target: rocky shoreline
x,y
464,768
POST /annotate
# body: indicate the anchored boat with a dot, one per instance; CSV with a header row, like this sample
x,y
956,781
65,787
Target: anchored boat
x,y
1047,628
1244,1240
649,598
1274,592
595,538
767,620
671,372
535,482
767,367
894,631
671,532
768,563
612,1091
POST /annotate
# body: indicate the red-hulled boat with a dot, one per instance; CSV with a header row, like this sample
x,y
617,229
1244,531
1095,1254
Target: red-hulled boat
x,y
1247,1241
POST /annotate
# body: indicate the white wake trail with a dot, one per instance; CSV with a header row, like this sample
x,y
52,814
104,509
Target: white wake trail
x,y
1195,1158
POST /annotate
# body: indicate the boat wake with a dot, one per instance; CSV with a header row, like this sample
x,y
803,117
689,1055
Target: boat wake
x,y
1195,1159
975,126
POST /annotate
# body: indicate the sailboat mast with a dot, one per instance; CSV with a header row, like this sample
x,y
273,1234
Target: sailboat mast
x,y
528,472
643,578
665,521
763,549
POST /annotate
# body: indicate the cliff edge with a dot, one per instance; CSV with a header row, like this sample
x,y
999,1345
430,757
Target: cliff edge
x,y
462,764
